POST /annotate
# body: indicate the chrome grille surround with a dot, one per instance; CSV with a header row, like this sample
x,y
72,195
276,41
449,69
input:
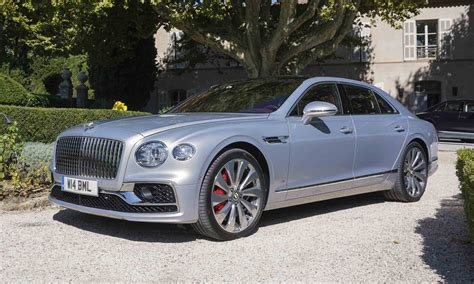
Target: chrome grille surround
x,y
91,157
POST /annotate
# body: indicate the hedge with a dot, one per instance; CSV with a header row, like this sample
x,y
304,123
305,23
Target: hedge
x,y
44,124
11,92
465,173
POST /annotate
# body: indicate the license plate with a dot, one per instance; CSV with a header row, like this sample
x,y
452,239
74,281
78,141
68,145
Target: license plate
x,y
80,186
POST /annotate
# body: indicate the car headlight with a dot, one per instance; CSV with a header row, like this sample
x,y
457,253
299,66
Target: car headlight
x,y
183,152
151,154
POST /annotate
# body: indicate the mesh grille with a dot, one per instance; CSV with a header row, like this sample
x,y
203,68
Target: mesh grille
x,y
108,202
157,193
88,157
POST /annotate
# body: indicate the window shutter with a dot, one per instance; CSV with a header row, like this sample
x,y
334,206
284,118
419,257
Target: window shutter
x,y
445,38
409,40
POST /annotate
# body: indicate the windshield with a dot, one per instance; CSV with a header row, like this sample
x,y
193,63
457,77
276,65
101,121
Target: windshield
x,y
254,96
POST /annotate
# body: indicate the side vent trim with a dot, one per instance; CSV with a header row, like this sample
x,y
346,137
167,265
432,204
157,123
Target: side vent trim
x,y
275,139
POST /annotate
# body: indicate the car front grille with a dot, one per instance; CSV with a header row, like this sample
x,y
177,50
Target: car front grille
x,y
88,157
108,202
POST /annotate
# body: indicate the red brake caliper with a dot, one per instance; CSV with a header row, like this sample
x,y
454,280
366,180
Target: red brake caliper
x,y
218,190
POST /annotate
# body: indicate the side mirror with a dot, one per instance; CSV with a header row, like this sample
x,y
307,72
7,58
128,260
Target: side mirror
x,y
318,109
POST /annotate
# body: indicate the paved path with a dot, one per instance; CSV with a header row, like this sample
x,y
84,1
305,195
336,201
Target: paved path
x,y
352,239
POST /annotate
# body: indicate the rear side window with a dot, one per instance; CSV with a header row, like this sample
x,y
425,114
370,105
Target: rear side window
x,y
362,100
453,107
385,107
438,108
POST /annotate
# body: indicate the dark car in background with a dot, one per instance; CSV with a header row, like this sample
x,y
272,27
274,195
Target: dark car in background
x,y
452,119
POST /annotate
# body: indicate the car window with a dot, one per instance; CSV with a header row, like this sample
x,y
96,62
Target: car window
x,y
362,100
438,108
453,106
385,107
469,107
323,93
250,96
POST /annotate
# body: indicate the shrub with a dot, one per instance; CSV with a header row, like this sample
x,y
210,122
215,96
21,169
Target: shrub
x,y
11,92
32,171
465,173
10,148
45,124
34,154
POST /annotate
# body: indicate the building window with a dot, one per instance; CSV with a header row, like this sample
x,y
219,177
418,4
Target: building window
x,y
177,96
426,39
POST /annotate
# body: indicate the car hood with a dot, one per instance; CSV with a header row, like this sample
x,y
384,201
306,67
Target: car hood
x,y
151,124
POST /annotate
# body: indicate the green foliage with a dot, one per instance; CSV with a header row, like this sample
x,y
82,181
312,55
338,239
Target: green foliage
x,y
269,39
45,124
122,64
44,74
34,154
32,170
12,93
37,38
165,109
465,173
10,149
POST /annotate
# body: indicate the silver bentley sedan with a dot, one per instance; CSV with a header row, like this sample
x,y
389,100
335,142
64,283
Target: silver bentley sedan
x,y
222,157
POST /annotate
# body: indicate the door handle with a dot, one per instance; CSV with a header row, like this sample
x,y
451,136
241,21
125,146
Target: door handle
x,y
346,130
399,128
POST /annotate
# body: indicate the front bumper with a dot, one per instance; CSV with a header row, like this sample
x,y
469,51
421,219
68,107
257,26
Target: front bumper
x,y
187,211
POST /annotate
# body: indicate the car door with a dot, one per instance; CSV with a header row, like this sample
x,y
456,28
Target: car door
x,y
466,118
449,118
321,152
380,132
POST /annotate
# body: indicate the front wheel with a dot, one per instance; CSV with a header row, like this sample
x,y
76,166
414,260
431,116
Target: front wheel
x,y
232,196
412,175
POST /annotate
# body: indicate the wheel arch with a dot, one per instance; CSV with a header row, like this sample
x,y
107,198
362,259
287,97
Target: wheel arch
x,y
245,144
423,144
252,149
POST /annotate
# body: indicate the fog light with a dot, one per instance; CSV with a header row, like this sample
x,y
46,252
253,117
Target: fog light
x,y
183,152
154,193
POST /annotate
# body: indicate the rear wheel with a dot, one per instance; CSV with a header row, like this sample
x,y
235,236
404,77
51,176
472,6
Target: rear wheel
x,y
232,196
412,175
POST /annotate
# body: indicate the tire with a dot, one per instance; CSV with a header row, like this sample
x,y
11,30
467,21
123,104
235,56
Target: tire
x,y
228,207
411,179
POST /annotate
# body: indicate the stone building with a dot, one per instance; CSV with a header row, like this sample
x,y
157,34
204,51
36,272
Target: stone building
x,y
428,60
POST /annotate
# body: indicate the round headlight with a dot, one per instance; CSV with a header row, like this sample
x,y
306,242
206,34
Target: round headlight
x,y
151,154
183,152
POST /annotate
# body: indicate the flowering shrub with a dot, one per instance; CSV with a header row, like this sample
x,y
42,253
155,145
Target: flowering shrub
x,y
120,106
10,149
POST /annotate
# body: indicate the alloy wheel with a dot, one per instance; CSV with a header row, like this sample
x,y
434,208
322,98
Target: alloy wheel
x,y
415,172
236,195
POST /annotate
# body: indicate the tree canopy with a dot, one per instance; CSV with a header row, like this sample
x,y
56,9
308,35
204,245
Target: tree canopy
x,y
269,38
116,36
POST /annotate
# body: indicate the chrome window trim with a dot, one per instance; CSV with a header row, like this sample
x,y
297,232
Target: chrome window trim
x,y
288,114
374,93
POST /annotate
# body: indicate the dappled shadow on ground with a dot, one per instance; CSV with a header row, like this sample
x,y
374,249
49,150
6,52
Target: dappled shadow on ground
x,y
283,215
168,233
134,231
445,246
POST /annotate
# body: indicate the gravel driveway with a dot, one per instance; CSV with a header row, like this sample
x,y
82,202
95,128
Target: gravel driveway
x,y
359,238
